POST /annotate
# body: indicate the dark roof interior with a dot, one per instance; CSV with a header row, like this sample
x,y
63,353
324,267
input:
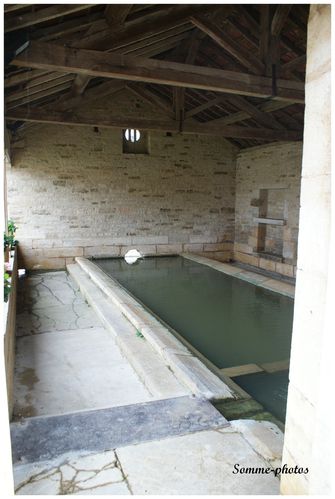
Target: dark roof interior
x,y
258,40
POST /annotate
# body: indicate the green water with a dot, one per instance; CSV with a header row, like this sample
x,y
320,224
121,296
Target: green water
x,y
230,321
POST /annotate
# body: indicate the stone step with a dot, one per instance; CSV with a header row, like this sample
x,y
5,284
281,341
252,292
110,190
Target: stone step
x,y
47,437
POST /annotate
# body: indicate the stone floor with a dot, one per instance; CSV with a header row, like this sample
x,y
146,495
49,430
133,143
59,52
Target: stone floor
x,y
68,362
200,463
65,360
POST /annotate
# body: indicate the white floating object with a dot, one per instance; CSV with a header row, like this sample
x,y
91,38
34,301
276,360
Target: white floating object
x,y
132,256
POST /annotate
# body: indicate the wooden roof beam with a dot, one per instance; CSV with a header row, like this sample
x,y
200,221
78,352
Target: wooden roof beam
x,y
107,65
41,16
68,118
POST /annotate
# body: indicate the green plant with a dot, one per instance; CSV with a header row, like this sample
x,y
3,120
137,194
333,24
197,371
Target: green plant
x,y
11,227
9,238
7,286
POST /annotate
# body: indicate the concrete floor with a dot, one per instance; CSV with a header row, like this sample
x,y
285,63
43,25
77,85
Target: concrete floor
x,y
68,362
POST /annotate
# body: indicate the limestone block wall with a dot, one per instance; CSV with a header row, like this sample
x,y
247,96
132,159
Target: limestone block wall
x,y
72,192
309,420
273,171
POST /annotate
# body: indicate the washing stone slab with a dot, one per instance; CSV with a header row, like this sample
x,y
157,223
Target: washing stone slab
x,y
192,372
44,438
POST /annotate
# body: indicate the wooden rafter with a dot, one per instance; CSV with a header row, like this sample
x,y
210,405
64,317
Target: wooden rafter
x,y
14,6
143,92
68,101
205,105
247,59
253,111
43,15
46,85
117,14
55,89
266,107
279,18
167,17
94,63
24,76
67,118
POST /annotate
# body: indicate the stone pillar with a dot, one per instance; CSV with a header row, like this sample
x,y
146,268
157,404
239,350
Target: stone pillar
x,y
309,418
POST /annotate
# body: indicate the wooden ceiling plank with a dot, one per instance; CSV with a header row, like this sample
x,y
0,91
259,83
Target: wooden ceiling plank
x,y
247,59
279,18
107,65
43,15
144,124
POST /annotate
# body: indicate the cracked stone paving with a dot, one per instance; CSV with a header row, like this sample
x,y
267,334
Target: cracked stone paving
x,y
66,362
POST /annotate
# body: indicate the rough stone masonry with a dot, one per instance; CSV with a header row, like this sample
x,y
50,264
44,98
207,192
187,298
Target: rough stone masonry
x,y
73,192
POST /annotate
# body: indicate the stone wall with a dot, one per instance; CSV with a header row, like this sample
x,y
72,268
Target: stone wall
x,y
309,420
268,185
72,192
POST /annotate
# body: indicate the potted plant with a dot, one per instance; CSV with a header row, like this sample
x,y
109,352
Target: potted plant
x,y
9,239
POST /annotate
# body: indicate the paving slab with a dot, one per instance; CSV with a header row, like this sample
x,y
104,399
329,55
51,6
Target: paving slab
x,y
93,474
68,371
44,438
196,464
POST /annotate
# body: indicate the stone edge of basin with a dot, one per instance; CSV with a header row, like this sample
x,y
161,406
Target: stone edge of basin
x,y
275,285
188,368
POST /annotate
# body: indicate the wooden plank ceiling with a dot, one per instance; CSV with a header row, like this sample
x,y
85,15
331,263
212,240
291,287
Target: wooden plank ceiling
x,y
236,71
